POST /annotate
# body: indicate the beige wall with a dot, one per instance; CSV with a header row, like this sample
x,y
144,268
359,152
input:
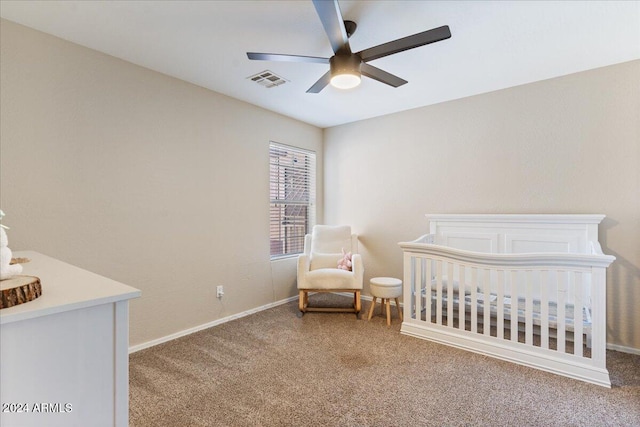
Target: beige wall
x,y
566,145
142,178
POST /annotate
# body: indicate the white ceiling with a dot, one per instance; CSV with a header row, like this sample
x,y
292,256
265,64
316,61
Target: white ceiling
x,y
494,45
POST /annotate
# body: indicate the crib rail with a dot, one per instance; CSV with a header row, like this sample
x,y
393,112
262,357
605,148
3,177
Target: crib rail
x,y
544,310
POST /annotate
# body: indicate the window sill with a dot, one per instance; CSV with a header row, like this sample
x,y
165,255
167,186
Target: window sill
x,y
284,257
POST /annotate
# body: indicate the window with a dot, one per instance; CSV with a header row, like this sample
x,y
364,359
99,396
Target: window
x,y
292,188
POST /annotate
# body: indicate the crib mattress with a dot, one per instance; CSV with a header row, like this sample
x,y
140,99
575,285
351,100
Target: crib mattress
x,y
521,307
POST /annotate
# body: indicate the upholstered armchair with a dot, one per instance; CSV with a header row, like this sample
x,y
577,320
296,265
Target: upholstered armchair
x,y
318,267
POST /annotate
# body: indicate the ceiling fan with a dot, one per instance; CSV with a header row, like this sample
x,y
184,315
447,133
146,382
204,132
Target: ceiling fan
x,y
346,67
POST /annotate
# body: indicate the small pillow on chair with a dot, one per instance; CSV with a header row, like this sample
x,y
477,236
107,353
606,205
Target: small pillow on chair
x,y
345,262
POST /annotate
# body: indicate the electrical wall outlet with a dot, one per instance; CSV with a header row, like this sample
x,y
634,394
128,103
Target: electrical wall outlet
x,y
219,291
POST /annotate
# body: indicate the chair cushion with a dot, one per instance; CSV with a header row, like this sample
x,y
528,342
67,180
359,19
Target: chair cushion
x,y
319,260
330,278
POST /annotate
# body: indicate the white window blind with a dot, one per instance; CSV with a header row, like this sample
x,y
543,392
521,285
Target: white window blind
x,y
293,198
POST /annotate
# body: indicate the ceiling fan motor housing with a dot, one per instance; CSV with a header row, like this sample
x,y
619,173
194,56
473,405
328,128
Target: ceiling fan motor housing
x,y
345,70
345,64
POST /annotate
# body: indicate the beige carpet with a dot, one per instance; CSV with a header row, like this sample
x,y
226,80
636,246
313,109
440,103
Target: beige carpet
x,y
330,369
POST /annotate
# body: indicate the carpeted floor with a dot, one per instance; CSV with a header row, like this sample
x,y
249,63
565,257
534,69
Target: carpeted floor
x,y
331,369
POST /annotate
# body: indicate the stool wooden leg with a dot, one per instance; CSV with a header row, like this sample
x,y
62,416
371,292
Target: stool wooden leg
x,y
388,311
382,301
399,311
373,304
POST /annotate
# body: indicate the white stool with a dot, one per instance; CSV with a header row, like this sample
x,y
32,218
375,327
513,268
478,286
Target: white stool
x,y
385,288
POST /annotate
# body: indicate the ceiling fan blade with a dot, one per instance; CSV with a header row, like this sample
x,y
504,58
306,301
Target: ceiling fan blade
x,y
331,18
381,75
286,58
321,83
405,43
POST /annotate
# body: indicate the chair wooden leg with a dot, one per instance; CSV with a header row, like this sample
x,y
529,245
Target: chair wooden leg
x,y
302,297
358,301
399,311
373,305
388,312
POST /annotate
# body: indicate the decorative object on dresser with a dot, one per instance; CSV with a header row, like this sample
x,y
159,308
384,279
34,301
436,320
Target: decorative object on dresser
x,y
14,289
18,290
530,289
7,267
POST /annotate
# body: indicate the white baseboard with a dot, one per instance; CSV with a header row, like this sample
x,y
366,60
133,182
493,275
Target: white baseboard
x,y
623,349
138,347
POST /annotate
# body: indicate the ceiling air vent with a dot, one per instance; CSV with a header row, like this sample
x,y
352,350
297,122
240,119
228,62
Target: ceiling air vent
x,y
268,79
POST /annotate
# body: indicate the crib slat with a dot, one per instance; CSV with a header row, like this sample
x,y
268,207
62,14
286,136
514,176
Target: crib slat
x,y
418,287
598,316
450,295
486,289
544,309
439,292
528,308
462,290
500,305
577,313
409,284
571,286
428,285
561,328
514,305
474,300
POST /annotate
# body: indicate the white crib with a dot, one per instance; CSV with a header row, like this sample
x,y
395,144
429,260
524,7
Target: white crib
x,y
529,289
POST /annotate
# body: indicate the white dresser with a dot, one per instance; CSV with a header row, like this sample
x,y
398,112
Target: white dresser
x,y
64,356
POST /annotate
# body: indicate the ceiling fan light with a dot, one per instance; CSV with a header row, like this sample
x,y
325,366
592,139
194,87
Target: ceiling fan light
x,y
345,71
345,81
